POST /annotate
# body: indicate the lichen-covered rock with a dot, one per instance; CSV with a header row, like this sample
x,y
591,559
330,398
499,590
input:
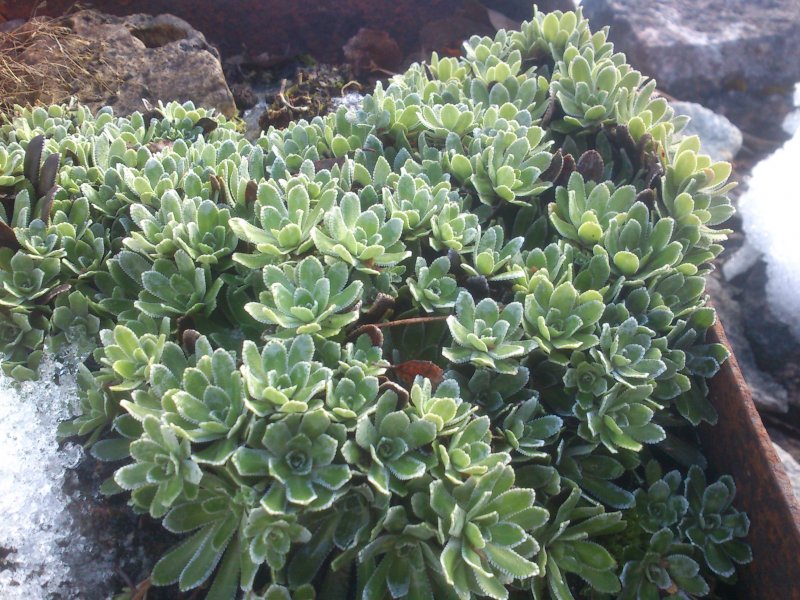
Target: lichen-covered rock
x,y
694,47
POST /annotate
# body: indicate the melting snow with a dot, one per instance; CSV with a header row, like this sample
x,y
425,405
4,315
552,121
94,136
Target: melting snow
x,y
40,542
770,209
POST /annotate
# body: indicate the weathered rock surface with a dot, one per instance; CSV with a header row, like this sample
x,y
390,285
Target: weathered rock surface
x,y
720,138
696,47
154,58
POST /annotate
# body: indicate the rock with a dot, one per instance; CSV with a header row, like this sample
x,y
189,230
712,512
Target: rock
x,y
792,468
720,138
767,393
696,47
151,58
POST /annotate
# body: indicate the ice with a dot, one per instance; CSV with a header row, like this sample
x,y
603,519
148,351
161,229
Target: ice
x,y
352,102
43,552
770,209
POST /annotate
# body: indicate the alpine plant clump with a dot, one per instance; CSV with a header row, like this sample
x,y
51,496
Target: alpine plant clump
x,y
441,349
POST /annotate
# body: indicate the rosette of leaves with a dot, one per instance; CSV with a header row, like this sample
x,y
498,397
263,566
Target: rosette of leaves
x,y
178,288
695,194
621,419
351,395
269,537
660,505
485,525
209,407
389,446
21,338
127,357
98,408
212,517
364,240
468,453
404,560
667,567
363,353
11,159
550,33
454,229
443,119
568,548
163,470
560,319
486,336
299,454
508,168
639,248
587,86
73,324
415,203
527,428
196,226
283,377
582,212
630,352
433,288
442,407
307,299
494,260
490,59
585,378
287,218
24,279
713,524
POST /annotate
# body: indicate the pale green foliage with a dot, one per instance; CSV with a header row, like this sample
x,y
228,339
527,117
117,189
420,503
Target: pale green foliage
x,y
420,350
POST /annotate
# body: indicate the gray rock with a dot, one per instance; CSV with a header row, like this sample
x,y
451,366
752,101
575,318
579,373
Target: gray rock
x,y
768,394
152,58
720,138
697,47
792,468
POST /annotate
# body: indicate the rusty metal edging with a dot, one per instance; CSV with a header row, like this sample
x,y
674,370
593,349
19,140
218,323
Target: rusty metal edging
x,y
740,445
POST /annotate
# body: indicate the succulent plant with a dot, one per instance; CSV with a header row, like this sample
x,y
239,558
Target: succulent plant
x,y
196,226
713,525
567,547
487,523
667,567
560,319
299,456
307,299
388,445
509,167
486,336
660,505
163,470
433,288
283,376
364,240
417,349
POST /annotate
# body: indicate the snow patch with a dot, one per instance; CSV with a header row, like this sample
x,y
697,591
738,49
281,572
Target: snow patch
x,y
39,538
770,209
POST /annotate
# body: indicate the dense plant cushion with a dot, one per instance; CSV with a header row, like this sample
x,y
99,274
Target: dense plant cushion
x,y
449,345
